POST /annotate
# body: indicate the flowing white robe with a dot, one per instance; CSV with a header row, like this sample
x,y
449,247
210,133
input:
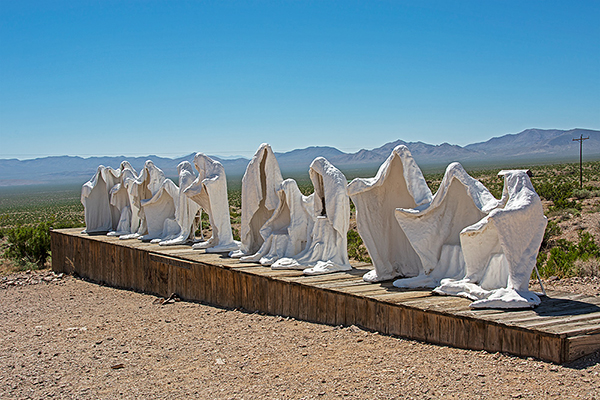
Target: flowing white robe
x,y
433,229
120,200
209,192
399,183
259,198
500,250
159,209
100,215
288,230
186,210
327,251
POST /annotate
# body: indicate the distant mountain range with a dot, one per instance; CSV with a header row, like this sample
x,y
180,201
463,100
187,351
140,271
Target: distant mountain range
x,y
532,146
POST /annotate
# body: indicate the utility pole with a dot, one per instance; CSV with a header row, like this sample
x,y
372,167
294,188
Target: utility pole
x,y
580,140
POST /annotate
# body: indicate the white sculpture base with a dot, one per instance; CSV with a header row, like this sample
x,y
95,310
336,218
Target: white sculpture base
x,y
317,259
209,247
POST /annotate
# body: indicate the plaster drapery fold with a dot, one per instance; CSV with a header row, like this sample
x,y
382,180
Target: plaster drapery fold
x,y
186,210
327,251
160,208
121,201
433,229
100,214
399,183
500,251
209,192
289,229
260,183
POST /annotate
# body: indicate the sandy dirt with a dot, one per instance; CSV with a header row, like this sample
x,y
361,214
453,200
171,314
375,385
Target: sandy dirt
x,y
63,337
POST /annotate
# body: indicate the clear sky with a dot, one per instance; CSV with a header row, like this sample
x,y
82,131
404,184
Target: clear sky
x,y
174,77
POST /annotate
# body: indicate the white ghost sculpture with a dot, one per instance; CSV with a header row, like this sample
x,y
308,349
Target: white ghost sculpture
x,y
209,192
187,209
327,252
288,230
159,210
121,201
138,190
260,183
100,216
433,229
500,250
399,183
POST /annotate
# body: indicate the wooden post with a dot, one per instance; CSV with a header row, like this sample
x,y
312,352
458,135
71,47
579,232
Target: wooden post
x,y
580,140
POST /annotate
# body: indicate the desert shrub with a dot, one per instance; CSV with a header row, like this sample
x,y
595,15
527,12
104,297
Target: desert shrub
x,y
558,193
236,233
552,230
29,244
356,249
562,258
581,194
589,267
234,196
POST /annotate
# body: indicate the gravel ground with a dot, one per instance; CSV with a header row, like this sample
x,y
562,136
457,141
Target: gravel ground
x,y
67,338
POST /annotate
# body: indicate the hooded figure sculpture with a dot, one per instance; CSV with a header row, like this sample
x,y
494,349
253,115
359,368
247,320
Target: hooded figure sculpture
x,y
186,211
433,229
120,200
138,190
288,230
209,192
100,216
260,183
327,252
159,210
399,183
500,251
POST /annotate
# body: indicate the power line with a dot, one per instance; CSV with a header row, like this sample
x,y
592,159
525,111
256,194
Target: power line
x,y
580,140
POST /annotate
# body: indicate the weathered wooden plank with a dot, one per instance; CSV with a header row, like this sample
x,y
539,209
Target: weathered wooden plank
x,y
511,341
581,345
551,348
493,337
340,310
543,322
331,307
286,294
577,329
294,300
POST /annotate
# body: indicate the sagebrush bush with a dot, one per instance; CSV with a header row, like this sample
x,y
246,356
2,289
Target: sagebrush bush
x,y
355,248
558,193
29,244
561,260
552,229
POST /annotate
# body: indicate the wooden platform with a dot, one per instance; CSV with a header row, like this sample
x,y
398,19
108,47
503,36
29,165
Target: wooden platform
x,y
563,328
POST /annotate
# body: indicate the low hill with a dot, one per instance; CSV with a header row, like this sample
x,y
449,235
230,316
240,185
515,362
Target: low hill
x,y
528,147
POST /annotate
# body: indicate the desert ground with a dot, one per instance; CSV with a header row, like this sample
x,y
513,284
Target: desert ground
x,y
64,337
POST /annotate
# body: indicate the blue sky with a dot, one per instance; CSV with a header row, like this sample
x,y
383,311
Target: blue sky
x,y
171,78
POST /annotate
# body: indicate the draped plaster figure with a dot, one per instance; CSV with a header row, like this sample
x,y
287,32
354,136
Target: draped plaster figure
x,y
100,216
399,183
159,209
260,183
186,211
288,230
120,200
433,229
327,252
500,250
209,192
138,190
